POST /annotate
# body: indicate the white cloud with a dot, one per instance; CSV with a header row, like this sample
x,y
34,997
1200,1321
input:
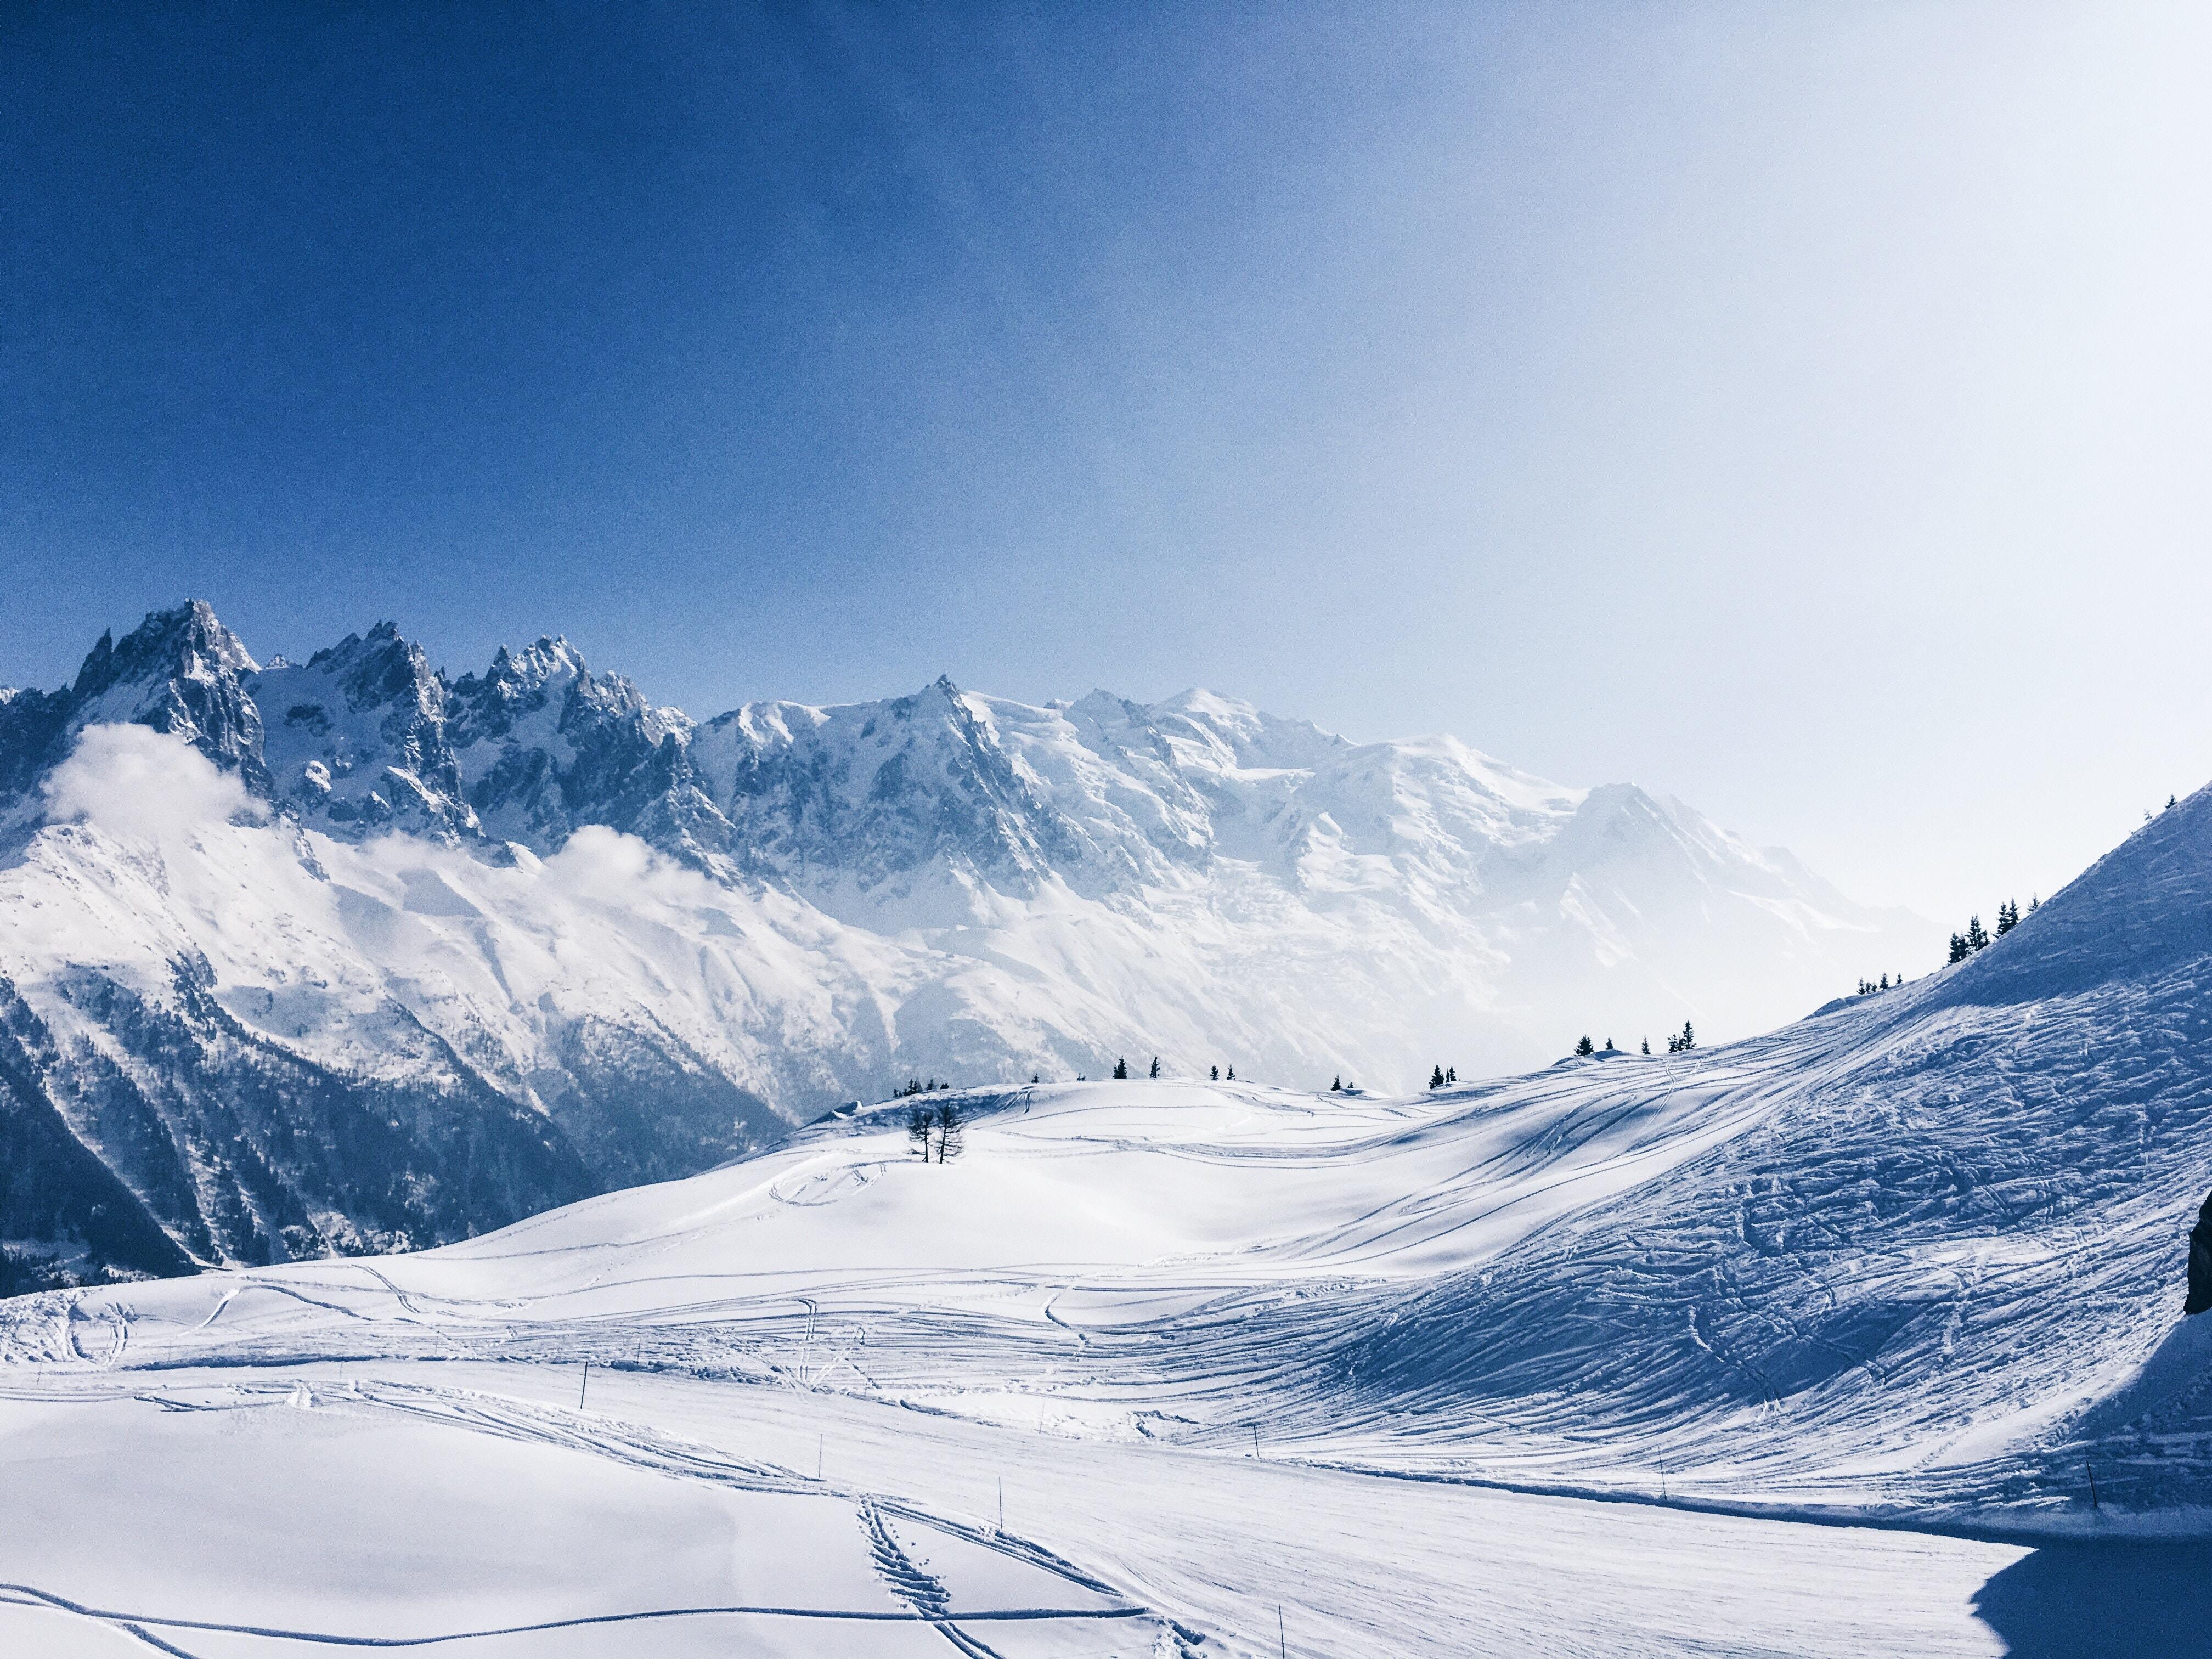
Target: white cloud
x,y
132,780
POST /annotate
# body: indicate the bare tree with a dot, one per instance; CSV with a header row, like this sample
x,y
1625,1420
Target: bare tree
x,y
936,1131
951,1141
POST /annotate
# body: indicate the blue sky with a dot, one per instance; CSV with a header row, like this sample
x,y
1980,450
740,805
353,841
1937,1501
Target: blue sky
x,y
1799,410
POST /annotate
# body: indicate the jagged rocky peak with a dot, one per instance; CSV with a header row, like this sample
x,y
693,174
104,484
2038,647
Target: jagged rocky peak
x,y
873,790
546,746
178,671
181,672
357,734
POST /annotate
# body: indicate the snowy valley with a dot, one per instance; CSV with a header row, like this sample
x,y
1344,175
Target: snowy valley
x,y
344,956
1864,1336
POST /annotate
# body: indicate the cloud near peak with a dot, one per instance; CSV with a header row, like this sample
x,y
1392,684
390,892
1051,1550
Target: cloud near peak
x,y
133,780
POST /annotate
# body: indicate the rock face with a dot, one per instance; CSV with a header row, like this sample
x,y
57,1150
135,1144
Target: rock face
x,y
2200,1262
348,956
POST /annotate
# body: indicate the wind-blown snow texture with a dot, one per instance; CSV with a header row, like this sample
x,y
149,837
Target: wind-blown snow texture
x,y
1920,1259
344,957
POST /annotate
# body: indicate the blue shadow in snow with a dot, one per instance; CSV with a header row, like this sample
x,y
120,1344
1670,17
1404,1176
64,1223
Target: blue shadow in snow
x,y
2146,1601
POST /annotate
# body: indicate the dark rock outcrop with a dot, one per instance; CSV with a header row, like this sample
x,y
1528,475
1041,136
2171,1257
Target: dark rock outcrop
x,y
2200,1262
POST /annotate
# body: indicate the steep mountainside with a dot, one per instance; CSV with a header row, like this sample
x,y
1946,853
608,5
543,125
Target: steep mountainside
x,y
1923,1255
347,955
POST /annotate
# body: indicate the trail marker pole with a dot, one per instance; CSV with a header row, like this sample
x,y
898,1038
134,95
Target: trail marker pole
x,y
1255,1440
2091,1469
584,1385
1282,1642
1002,1506
1662,1483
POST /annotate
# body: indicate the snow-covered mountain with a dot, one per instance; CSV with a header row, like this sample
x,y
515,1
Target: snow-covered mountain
x,y
348,956
1918,1259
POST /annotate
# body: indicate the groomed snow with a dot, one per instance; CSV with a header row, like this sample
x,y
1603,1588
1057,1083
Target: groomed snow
x,y
1861,1337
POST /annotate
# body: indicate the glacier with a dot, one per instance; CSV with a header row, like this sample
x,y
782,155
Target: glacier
x,y
345,956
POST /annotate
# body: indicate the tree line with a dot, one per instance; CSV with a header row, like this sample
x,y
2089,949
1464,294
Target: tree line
x,y
1979,938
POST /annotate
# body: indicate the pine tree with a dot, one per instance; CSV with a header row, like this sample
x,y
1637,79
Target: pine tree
x,y
1689,1037
1978,936
2170,803
1647,1048
1120,1068
1451,1073
1036,1077
1156,1068
1608,1045
1958,949
1884,986
2007,918
1585,1046
1437,1078
1232,1074
2033,904
1217,1074
1337,1086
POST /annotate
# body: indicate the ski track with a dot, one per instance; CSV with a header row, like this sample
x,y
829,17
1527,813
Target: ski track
x,y
1912,1263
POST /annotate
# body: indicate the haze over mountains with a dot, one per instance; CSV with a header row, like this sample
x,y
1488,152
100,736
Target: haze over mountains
x,y
348,956
1119,1379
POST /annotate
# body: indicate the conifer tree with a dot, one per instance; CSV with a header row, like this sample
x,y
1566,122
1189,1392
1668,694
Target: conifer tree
x,y
1689,1037
1884,986
1336,1087
1647,1048
1958,947
1585,1046
1120,1068
1451,1073
1437,1078
1608,1045
1978,936
1232,1074
2170,803
1217,1074
1156,1068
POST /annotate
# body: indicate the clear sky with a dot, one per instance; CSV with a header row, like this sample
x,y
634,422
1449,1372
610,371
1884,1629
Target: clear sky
x,y
1801,409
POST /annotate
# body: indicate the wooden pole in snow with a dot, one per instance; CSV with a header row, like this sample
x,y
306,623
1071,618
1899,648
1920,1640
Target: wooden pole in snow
x,y
584,1385
1282,1643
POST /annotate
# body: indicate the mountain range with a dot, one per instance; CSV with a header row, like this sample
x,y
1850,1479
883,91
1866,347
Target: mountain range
x,y
347,955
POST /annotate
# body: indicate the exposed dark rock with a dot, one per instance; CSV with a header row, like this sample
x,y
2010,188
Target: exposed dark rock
x,y
2200,1262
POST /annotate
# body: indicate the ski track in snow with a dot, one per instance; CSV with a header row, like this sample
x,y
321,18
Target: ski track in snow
x,y
1568,1361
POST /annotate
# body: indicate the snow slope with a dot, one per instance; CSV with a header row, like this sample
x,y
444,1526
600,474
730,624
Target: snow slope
x,y
343,955
1566,1362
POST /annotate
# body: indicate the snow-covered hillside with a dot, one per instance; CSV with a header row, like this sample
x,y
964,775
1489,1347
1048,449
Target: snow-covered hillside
x,y
343,955
1919,1260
